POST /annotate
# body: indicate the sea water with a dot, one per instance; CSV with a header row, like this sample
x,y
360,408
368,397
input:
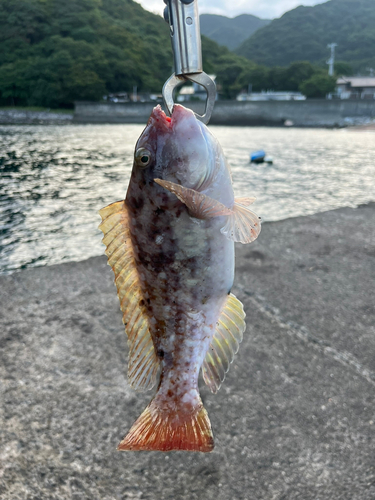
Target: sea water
x,y
54,179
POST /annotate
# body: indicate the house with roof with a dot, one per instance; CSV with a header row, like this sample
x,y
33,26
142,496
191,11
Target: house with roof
x,y
194,92
356,87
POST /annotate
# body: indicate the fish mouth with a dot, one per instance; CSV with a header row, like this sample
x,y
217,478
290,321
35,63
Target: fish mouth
x,y
161,121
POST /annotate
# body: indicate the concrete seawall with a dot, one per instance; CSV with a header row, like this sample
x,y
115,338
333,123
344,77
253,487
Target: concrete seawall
x,y
309,113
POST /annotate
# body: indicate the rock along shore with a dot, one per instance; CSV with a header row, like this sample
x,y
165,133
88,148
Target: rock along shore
x,y
294,418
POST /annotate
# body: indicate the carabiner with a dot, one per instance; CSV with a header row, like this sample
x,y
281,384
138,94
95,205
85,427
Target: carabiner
x,y
183,19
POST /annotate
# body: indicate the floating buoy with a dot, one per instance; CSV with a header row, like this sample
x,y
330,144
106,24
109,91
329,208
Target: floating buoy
x,y
257,156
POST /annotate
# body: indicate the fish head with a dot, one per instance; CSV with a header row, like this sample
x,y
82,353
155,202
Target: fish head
x,y
178,149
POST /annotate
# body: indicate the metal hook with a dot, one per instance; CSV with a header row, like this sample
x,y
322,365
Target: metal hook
x,y
202,79
183,19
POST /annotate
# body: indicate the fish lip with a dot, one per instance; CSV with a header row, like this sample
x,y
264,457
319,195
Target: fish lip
x,y
159,119
180,113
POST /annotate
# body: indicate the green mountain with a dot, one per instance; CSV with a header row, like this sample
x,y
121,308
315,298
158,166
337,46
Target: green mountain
x,y
302,34
230,32
53,52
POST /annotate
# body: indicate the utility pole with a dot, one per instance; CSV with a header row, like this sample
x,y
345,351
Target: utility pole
x,y
331,60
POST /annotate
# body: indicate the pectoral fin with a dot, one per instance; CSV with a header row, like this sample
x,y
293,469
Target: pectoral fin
x,y
199,205
243,225
245,201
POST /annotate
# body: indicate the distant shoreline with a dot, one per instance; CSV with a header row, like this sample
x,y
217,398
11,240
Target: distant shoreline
x,y
24,116
316,113
364,128
319,113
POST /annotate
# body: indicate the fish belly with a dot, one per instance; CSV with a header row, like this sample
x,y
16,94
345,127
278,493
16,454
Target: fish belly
x,y
186,269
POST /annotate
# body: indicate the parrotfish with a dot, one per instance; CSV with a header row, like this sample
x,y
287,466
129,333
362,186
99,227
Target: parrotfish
x,y
170,244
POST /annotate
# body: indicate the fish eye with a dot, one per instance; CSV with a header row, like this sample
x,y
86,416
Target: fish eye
x,y
143,157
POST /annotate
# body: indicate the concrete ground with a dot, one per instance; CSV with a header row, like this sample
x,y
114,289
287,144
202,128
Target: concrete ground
x,y
294,418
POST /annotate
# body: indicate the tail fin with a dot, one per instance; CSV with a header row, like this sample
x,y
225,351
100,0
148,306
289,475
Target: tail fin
x,y
157,430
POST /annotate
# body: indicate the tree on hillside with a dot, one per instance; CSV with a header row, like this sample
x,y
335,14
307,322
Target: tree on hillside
x,y
304,32
52,52
343,69
278,78
319,85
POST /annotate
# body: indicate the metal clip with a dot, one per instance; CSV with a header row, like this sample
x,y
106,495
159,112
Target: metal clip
x,y
183,19
202,79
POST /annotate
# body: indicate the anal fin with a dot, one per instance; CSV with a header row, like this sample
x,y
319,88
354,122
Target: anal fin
x,y
225,343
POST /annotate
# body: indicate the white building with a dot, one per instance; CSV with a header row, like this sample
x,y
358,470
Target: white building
x,y
270,95
356,87
193,92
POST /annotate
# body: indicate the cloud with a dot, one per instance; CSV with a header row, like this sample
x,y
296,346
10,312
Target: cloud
x,y
267,9
155,6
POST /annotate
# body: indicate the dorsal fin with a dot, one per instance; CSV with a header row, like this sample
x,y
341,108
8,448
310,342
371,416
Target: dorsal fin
x,y
225,343
143,363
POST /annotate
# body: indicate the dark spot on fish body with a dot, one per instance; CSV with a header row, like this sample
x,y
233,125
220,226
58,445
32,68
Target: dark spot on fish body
x,y
179,211
159,211
162,260
152,232
136,203
192,265
143,259
160,353
141,303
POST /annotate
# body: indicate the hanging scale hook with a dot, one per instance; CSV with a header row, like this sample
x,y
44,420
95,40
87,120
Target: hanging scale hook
x,y
183,19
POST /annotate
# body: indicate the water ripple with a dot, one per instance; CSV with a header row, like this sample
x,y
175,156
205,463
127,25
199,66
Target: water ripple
x,y
54,179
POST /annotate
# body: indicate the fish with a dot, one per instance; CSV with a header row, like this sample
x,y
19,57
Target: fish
x,y
170,244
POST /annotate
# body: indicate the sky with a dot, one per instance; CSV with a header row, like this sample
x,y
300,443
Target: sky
x,y
266,9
